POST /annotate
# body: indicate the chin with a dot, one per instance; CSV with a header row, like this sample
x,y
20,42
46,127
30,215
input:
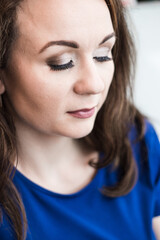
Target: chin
x,y
80,133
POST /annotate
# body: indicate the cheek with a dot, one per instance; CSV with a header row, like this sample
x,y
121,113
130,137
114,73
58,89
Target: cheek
x,y
22,91
37,102
33,92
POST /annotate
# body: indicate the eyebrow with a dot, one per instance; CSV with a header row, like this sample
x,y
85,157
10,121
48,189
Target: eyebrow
x,y
72,44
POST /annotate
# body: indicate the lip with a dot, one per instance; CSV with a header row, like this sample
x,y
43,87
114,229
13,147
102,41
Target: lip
x,y
83,113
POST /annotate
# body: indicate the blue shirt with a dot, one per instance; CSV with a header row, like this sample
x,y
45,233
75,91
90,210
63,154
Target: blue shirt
x,y
89,215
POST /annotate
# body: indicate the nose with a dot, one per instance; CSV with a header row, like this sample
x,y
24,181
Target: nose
x,y
90,79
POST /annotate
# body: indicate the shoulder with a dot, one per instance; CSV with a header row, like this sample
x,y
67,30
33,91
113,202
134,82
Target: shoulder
x,y
153,152
150,134
151,137
147,153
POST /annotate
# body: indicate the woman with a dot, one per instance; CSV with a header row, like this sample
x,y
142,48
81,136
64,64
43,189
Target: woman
x,y
78,161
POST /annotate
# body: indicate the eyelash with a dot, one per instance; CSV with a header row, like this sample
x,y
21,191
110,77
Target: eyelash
x,y
70,64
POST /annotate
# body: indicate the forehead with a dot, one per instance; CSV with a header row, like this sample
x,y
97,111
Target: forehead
x,y
84,21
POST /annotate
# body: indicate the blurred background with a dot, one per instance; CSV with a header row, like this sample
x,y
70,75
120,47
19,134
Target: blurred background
x,y
144,22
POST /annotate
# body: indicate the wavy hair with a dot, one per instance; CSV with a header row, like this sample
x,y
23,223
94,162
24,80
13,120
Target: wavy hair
x,y
112,125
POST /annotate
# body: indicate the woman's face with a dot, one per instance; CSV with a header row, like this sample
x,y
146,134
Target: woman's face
x,y
44,80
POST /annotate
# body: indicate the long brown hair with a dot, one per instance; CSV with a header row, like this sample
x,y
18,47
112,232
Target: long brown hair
x,y
112,125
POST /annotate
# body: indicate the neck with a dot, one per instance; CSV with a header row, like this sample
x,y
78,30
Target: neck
x,y
44,155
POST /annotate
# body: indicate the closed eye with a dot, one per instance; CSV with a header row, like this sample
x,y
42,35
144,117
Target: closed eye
x,y
103,59
57,67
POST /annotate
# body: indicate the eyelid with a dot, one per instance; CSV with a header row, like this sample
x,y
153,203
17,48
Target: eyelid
x,y
64,58
102,51
61,59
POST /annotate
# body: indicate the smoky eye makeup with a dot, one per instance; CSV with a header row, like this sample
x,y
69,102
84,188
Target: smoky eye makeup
x,y
60,63
68,61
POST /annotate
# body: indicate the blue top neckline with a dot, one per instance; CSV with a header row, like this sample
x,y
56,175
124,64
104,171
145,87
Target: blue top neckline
x,y
32,185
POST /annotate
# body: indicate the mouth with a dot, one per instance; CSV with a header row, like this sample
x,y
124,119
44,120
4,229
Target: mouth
x,y
83,113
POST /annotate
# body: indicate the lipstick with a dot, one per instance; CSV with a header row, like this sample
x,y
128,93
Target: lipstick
x,y
83,113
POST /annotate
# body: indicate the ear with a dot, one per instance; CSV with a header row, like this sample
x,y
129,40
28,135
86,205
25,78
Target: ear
x,y
2,87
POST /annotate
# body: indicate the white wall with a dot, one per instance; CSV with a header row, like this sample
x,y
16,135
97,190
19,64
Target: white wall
x,y
146,20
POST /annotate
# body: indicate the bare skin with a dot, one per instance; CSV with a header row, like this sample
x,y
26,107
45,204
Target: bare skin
x,y
41,97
